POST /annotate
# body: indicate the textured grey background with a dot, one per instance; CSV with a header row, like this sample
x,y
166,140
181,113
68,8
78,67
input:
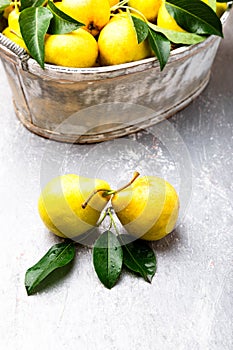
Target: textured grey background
x,y
189,304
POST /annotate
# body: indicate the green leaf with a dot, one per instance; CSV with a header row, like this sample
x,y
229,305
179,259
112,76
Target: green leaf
x,y
160,45
34,23
108,258
195,16
141,28
4,4
61,23
179,37
31,3
138,257
58,256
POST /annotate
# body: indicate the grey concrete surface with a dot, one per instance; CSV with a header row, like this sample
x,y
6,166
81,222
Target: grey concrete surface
x,y
189,304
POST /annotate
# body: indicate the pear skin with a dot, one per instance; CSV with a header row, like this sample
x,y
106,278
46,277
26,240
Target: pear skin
x,y
13,21
118,41
13,37
77,49
60,204
113,2
165,20
148,209
148,8
93,13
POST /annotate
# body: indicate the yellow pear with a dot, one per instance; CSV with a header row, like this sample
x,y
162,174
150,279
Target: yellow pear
x,y
78,49
148,8
165,20
118,41
13,37
113,2
221,8
148,208
13,21
143,51
60,204
13,32
93,13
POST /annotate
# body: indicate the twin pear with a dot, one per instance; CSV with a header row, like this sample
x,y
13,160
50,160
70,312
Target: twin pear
x,y
147,206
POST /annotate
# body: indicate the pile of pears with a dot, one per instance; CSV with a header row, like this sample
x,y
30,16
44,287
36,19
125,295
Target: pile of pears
x,y
147,207
108,37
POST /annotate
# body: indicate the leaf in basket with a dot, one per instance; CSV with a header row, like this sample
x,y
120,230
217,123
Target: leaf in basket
x,y
108,258
179,37
195,16
61,23
160,45
141,29
138,257
58,256
34,23
31,3
4,4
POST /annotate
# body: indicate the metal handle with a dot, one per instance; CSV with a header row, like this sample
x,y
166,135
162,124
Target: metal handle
x,y
16,49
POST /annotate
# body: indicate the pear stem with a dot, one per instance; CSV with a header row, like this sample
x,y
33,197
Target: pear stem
x,y
93,194
109,192
118,5
136,174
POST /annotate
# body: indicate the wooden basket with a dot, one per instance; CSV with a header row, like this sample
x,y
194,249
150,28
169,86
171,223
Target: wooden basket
x,y
101,103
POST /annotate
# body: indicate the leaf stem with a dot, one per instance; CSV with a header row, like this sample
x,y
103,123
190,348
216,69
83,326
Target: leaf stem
x,y
113,223
102,218
119,5
136,11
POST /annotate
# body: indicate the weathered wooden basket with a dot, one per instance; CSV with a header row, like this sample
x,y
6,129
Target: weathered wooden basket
x,y
100,103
